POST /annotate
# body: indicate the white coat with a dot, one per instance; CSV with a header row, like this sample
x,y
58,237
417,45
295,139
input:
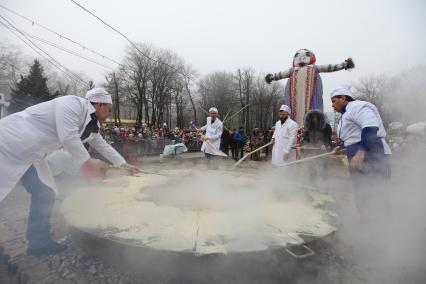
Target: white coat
x,y
358,115
213,134
28,136
285,140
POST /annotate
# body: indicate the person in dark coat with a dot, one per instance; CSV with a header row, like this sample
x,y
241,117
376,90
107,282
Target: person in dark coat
x,y
317,132
226,141
316,139
240,139
256,141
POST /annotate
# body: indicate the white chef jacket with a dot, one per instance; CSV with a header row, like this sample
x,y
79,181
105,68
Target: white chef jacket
x,y
285,140
358,115
213,134
28,136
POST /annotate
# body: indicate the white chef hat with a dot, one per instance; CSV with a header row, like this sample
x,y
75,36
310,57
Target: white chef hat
x,y
343,90
99,95
213,109
285,108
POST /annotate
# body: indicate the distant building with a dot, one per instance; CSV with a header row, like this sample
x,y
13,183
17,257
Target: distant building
x,y
4,97
3,105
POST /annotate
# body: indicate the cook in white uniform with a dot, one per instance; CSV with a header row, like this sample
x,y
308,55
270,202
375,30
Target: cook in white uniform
x,y
284,138
363,135
211,144
28,136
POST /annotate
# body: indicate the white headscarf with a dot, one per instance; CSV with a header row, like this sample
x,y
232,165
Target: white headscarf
x,y
99,95
213,109
285,108
343,90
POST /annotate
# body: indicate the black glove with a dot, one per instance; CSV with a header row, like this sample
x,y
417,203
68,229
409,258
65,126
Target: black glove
x,y
349,63
269,78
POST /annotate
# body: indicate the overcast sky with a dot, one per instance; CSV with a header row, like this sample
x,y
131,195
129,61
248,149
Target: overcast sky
x,y
223,35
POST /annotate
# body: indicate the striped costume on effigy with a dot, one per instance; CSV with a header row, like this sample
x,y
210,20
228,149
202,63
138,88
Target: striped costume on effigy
x,y
303,91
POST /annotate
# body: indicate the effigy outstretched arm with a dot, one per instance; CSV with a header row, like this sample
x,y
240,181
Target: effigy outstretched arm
x,y
278,76
347,64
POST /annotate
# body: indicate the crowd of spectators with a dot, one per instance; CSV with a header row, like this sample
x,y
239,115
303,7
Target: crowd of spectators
x,y
136,141
235,142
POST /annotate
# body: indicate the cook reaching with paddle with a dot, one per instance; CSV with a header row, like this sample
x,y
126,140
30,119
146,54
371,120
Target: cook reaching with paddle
x,y
27,137
211,141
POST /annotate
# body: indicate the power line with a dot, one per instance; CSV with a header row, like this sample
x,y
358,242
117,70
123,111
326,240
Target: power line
x,y
61,36
125,68
36,51
56,64
30,46
65,49
145,55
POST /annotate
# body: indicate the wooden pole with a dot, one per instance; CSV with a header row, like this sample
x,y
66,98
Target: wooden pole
x,y
229,118
308,159
243,158
200,107
229,111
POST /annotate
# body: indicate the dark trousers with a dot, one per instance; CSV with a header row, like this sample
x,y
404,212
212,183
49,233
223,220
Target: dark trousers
x,y
238,152
233,150
241,150
371,195
375,165
225,147
42,200
267,150
212,162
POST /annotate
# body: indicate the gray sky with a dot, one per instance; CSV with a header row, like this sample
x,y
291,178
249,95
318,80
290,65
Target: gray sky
x,y
381,36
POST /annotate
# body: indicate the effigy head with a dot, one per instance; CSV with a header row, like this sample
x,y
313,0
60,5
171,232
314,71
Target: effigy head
x,y
303,57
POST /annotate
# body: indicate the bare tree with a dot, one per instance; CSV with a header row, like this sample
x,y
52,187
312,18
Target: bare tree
x,y
136,72
165,76
114,86
190,72
245,86
407,96
12,61
375,89
152,79
63,84
230,93
265,102
181,102
218,90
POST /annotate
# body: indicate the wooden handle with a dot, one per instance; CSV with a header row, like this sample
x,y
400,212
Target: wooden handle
x,y
307,159
243,158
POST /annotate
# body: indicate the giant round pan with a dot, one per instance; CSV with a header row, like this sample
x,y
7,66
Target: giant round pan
x,y
192,221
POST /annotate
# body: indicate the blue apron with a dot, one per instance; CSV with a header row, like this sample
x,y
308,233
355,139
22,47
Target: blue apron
x,y
375,161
